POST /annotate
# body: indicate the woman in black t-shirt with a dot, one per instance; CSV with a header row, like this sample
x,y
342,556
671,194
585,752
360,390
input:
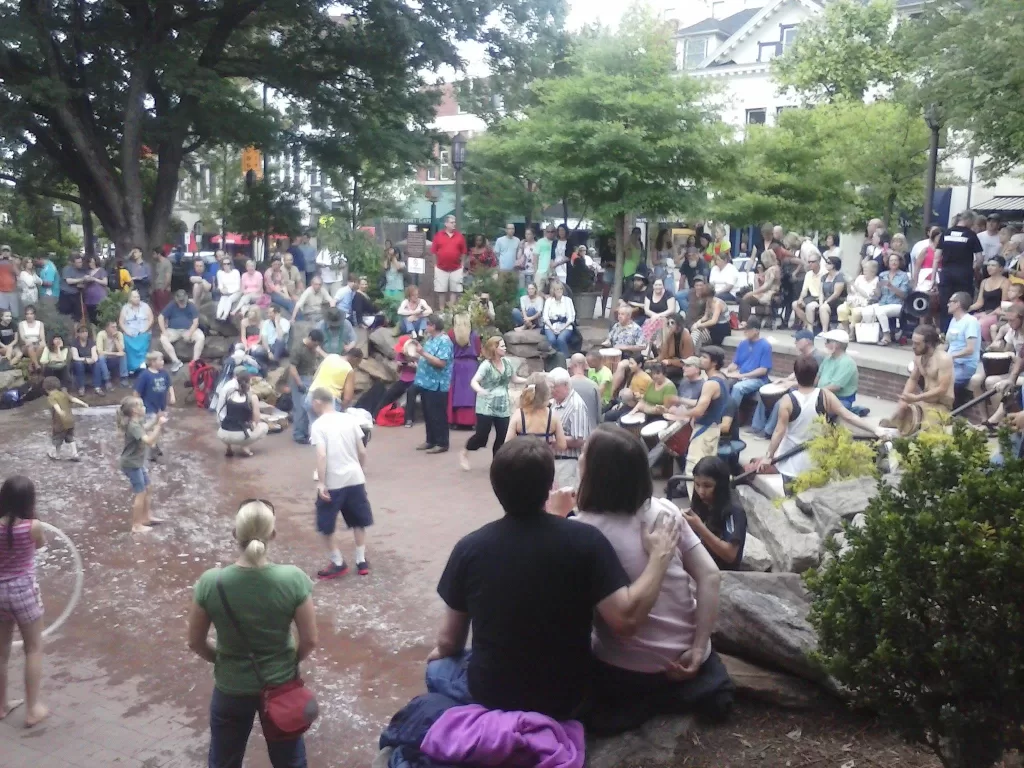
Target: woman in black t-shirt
x,y
716,515
9,349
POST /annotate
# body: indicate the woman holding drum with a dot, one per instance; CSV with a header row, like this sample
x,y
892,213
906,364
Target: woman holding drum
x,y
999,361
676,346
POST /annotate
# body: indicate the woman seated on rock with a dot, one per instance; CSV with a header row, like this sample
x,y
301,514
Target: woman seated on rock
x,y
660,392
136,322
716,515
414,312
56,361
766,286
527,315
251,329
667,666
32,336
9,348
252,289
240,423
862,293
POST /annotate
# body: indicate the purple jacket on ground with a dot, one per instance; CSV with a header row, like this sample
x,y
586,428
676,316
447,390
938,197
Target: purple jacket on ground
x,y
472,735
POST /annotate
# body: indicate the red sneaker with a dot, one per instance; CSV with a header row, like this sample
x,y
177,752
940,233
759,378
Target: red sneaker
x,y
363,568
332,571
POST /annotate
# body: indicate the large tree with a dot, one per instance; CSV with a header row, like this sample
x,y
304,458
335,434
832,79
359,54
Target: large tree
x,y
971,63
500,177
99,93
846,52
624,132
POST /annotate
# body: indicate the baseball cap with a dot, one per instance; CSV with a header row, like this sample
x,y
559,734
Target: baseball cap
x,y
803,336
837,335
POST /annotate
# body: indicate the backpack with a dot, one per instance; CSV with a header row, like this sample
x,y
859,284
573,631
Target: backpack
x,y
202,377
391,416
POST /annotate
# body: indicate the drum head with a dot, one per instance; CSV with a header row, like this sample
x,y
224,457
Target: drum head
x,y
633,418
917,304
772,389
654,428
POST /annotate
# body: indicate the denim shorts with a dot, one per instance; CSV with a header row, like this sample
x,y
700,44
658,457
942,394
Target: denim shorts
x,y
138,477
353,504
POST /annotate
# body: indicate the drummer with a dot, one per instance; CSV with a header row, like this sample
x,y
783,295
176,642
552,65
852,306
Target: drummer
x,y
661,393
689,387
630,382
763,422
625,336
924,407
1009,341
838,373
707,413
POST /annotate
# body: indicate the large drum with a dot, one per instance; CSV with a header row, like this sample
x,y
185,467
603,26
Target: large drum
x,y
770,395
917,304
634,422
650,432
997,363
611,357
676,438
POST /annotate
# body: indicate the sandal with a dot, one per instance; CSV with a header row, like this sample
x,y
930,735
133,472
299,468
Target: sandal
x,y
245,453
884,342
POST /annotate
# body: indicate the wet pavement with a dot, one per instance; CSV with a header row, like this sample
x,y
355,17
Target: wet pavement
x,y
123,687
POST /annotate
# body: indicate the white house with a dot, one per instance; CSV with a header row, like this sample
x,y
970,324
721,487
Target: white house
x,y
732,47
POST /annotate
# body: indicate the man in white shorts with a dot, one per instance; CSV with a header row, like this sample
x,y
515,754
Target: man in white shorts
x,y
449,249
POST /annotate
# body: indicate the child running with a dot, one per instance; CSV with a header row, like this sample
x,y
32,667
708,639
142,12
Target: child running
x,y
63,419
153,386
130,419
20,535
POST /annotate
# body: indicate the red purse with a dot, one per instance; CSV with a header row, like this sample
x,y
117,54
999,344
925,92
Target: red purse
x,y
286,711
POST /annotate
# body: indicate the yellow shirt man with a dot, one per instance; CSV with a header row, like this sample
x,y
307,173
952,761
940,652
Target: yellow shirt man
x,y
334,375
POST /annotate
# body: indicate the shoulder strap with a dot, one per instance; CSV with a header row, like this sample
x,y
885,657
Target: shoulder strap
x,y
820,404
547,429
238,628
796,407
522,415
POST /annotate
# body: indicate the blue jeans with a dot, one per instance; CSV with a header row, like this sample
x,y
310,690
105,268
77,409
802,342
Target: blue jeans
x,y
448,677
115,361
99,372
300,416
683,300
559,341
230,724
414,326
1016,440
744,387
763,423
281,301
847,401
517,315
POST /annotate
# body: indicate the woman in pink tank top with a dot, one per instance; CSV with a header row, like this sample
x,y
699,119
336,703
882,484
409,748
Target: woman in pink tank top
x,y
20,535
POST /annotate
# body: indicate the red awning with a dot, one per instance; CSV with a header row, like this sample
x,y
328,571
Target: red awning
x,y
233,239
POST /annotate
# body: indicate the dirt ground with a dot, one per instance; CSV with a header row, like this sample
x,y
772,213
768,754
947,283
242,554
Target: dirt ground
x,y
125,690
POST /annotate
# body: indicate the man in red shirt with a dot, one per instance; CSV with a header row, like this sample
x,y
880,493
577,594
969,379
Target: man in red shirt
x,y
449,249
9,282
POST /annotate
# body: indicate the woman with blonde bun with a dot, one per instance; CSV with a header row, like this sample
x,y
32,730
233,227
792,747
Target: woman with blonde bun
x,y
534,415
266,599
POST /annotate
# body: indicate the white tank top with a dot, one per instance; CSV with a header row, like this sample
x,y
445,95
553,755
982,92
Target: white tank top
x,y
30,334
799,431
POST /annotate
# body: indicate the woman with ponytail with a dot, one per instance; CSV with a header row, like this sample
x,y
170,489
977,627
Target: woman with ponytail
x,y
266,599
534,415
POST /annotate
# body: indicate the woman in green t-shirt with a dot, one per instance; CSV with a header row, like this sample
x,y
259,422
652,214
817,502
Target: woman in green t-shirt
x,y
493,403
266,599
657,395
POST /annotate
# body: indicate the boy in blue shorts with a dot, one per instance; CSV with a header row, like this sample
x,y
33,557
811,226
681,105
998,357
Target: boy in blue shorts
x,y
340,482
153,386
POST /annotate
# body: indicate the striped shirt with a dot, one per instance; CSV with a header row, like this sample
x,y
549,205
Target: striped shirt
x,y
20,559
575,422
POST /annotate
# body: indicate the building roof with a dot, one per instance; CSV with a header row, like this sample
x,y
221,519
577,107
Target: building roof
x,y
1002,204
727,26
751,23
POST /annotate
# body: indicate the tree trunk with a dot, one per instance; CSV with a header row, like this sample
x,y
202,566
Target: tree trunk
x,y
87,233
620,256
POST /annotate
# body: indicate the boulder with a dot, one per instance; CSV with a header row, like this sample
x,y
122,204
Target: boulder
x,y
836,502
762,618
524,351
655,742
380,370
300,330
216,348
11,379
363,381
792,549
363,341
383,341
755,555
798,519
768,485
520,365
525,338
770,687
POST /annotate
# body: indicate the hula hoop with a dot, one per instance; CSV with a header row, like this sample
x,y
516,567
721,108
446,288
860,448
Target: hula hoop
x,y
76,593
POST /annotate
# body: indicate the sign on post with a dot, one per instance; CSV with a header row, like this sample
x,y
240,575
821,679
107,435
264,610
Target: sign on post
x,y
415,248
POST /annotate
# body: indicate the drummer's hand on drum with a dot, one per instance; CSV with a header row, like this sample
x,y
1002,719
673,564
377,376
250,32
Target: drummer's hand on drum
x,y
760,463
883,433
1003,384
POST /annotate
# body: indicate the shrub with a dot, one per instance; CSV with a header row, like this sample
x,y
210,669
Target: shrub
x,y
110,308
837,456
55,323
921,619
503,288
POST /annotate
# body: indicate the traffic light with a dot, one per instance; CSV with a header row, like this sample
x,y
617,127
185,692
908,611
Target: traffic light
x,y
252,162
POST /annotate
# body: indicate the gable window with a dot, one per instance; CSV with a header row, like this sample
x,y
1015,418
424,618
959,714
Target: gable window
x,y
756,116
788,36
695,50
767,51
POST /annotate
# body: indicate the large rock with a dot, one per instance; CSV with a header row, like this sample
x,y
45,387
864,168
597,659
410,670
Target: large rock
x,y
654,742
11,379
363,340
380,370
363,381
383,341
520,366
215,348
755,555
300,330
525,338
836,502
768,485
770,687
524,351
797,518
762,618
793,549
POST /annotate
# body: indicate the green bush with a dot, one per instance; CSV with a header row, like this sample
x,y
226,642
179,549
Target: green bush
x,y
503,288
55,323
921,619
836,456
110,308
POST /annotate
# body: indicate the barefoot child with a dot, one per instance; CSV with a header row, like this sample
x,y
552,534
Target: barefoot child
x,y
63,419
130,419
20,535
153,386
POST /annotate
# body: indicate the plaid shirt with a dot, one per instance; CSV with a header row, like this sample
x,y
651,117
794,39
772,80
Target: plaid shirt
x,y
575,422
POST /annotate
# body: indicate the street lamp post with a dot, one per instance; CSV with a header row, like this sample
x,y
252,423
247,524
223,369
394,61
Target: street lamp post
x,y
458,163
432,198
933,117
58,214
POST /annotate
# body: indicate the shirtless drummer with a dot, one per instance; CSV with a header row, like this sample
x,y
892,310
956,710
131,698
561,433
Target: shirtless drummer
x,y
923,408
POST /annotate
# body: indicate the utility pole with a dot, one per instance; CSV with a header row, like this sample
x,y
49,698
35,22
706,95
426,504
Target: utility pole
x,y
266,182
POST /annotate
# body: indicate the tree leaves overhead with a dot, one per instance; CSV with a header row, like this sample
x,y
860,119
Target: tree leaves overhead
x,y
88,89
843,54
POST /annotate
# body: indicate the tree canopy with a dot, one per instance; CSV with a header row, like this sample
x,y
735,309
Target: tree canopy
x,y
95,96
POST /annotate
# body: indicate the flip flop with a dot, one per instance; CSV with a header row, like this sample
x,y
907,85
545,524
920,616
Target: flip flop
x,y
12,705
